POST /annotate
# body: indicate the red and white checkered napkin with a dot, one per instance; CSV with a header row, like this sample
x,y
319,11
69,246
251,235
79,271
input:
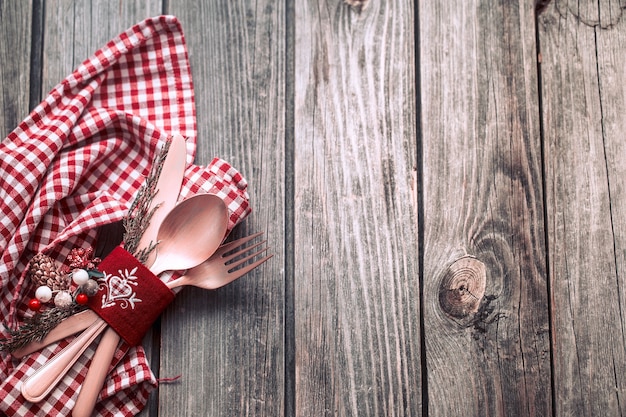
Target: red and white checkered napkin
x,y
75,164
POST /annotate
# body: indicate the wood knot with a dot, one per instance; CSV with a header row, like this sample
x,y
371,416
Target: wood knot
x,y
358,5
462,287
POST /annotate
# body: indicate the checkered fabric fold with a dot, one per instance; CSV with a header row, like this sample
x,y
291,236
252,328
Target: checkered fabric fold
x,y
75,164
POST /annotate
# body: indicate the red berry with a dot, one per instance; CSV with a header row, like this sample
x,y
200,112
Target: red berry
x,y
82,299
34,304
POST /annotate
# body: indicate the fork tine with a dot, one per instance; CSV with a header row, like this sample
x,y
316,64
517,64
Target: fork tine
x,y
241,261
226,247
240,272
242,251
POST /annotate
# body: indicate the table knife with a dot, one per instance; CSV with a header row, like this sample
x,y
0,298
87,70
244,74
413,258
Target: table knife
x,y
45,378
168,186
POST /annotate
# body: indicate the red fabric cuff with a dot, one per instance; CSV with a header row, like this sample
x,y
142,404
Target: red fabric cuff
x,y
130,297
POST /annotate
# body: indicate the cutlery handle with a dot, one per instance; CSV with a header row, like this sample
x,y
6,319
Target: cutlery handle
x,y
71,325
97,373
39,384
98,370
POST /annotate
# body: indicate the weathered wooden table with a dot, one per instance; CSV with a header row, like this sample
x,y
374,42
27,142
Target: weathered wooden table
x,y
442,182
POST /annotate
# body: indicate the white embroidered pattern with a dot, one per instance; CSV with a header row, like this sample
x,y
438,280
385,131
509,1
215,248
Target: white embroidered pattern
x,y
119,289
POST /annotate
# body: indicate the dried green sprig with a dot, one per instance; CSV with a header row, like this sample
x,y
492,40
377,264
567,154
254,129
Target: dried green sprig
x,y
139,214
37,327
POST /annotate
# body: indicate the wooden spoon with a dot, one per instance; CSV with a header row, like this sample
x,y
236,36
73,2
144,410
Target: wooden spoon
x,y
189,234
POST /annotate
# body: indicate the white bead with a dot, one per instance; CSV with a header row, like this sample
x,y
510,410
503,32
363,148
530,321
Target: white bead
x,y
63,299
80,276
43,294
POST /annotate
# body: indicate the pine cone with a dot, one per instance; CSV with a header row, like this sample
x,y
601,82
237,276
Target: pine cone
x,y
42,270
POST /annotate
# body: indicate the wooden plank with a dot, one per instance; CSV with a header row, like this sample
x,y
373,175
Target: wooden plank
x,y
228,344
74,30
583,72
485,282
15,49
357,307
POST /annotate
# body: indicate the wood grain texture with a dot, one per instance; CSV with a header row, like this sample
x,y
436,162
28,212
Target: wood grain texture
x,y
229,344
583,77
15,55
483,198
320,105
356,254
73,30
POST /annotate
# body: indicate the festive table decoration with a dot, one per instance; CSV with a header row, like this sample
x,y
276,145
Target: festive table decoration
x,y
66,286
70,285
90,145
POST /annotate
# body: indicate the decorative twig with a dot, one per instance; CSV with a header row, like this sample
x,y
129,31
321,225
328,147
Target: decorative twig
x,y
140,213
37,327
